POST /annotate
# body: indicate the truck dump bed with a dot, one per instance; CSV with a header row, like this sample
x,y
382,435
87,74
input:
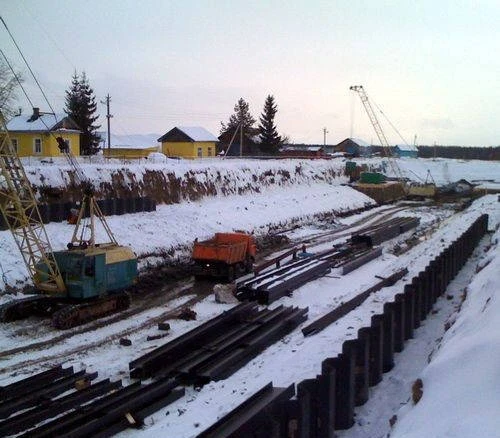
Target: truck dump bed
x,y
227,248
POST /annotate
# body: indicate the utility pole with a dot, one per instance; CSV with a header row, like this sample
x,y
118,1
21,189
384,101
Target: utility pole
x,y
108,116
241,139
324,136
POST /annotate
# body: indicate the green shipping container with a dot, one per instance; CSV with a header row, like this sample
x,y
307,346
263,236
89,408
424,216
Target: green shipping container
x,y
371,178
350,165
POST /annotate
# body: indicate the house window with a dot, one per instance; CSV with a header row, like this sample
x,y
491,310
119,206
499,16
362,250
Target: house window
x,y
15,145
37,148
209,153
200,152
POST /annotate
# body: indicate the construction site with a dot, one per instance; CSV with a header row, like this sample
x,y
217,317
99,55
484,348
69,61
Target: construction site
x,y
242,286
271,296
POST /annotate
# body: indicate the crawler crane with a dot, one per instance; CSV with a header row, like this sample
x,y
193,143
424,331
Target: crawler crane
x,y
427,189
378,130
73,286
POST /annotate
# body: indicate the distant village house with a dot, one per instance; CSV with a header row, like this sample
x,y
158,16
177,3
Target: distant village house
x,y
35,135
354,147
405,150
188,142
129,146
303,151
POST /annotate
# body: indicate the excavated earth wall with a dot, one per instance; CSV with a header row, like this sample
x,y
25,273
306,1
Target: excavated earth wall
x,y
175,182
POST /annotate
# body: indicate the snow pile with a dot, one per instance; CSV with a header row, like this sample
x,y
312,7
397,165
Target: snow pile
x,y
461,384
157,157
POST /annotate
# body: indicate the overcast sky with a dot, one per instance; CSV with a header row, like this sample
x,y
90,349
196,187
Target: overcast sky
x,y
432,67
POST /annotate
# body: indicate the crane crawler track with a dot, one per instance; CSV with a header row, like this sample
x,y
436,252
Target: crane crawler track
x,y
64,314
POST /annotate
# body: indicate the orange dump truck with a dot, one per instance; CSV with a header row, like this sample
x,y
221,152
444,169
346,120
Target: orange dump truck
x,y
228,255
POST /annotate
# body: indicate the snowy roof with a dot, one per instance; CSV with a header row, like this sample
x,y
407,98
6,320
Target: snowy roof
x,y
302,148
130,141
195,133
360,142
43,122
406,147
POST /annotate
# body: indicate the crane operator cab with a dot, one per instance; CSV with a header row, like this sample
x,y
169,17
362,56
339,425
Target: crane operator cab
x,y
98,271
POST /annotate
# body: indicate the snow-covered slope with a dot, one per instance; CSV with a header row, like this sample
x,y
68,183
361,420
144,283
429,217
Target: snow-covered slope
x,y
461,395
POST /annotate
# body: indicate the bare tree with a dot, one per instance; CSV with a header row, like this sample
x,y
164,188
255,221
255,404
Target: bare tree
x,y
9,83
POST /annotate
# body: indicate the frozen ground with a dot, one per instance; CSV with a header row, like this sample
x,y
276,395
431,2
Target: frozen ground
x,y
467,357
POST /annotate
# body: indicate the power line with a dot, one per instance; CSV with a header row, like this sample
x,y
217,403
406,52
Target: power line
x,y
48,35
16,77
27,65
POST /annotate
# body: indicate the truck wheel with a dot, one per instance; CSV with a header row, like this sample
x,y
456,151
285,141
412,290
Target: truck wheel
x,y
240,269
249,265
230,273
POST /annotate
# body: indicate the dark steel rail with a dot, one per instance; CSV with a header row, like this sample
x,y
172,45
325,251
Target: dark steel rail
x,y
52,389
32,383
251,417
283,280
51,408
215,351
376,234
342,310
326,403
149,363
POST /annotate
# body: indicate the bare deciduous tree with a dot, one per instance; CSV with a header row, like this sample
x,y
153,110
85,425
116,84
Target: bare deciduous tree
x,y
9,83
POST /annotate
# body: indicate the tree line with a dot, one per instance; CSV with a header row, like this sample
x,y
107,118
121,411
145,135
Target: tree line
x,y
265,135
460,152
81,106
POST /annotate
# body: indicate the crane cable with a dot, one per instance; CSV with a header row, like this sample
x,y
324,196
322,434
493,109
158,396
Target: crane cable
x,y
390,123
78,170
27,65
4,276
16,77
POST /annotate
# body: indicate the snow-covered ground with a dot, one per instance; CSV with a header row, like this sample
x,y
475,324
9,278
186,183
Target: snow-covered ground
x,y
442,171
459,383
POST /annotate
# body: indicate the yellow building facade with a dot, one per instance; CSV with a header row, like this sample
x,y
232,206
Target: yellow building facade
x,y
198,149
43,144
126,153
35,136
188,142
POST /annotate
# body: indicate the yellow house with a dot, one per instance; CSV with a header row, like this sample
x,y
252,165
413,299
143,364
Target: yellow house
x,y
126,153
129,146
36,135
188,142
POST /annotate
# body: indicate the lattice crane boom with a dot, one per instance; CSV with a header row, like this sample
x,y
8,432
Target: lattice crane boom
x,y
19,209
378,130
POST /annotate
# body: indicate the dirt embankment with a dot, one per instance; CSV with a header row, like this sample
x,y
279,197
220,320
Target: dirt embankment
x,y
174,185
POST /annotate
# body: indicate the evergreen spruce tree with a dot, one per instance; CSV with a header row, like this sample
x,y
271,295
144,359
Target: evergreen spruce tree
x,y
81,106
270,141
241,114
